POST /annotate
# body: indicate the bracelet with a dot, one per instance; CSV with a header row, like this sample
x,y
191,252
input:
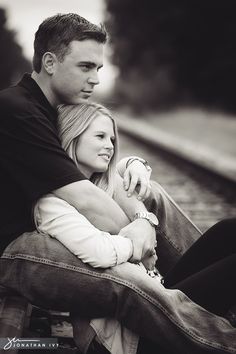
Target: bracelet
x,y
144,162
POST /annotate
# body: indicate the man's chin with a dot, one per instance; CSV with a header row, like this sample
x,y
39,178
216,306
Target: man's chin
x,y
78,100
82,99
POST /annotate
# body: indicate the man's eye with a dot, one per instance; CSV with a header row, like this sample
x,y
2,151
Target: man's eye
x,y
85,68
100,136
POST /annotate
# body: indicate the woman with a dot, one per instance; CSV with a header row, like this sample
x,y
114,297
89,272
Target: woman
x,y
89,135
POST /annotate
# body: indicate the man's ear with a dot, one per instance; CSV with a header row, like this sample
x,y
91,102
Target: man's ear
x,y
48,62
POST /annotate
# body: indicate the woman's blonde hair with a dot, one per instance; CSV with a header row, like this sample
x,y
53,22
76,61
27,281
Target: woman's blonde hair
x,y
73,120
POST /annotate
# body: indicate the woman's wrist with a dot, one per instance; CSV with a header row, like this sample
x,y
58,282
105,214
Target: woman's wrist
x,y
136,158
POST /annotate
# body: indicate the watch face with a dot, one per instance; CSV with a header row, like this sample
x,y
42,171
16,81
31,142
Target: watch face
x,y
153,219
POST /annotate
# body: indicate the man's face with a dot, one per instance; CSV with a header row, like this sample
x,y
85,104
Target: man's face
x,y
74,78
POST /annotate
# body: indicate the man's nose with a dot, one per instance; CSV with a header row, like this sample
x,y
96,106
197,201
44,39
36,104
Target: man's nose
x,y
93,78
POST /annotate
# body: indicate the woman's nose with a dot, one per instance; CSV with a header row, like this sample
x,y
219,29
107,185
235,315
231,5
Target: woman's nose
x,y
109,145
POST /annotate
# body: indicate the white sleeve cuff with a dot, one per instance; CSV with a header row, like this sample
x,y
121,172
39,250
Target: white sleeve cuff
x,y
123,248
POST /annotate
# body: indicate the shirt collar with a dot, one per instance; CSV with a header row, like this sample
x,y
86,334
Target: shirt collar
x,y
30,84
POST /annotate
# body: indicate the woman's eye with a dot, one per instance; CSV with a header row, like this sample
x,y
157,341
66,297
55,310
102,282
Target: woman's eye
x,y
100,136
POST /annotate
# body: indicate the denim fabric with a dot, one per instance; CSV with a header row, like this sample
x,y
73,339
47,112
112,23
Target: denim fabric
x,y
175,233
116,338
48,275
13,310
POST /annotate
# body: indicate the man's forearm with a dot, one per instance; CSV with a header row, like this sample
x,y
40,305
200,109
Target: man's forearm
x,y
100,209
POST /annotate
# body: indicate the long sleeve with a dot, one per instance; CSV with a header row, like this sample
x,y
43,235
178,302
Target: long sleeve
x,y
56,218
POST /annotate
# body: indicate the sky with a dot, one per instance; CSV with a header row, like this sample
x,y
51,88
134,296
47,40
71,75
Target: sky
x,y
24,16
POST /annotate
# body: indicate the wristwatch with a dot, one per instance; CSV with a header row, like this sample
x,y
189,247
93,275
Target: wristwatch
x,y
148,216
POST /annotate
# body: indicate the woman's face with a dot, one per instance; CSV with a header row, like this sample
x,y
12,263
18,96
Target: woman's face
x,y
95,146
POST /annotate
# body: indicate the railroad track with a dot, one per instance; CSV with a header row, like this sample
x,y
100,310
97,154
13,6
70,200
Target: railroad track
x,y
203,195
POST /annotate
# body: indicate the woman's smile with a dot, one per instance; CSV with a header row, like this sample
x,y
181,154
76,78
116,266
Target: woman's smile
x,y
105,156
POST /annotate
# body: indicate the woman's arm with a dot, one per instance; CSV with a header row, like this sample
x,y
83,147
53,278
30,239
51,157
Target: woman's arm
x,y
135,173
130,205
55,217
139,232
144,236
96,205
123,164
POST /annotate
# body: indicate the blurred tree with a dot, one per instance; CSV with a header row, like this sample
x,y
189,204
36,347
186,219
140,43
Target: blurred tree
x,y
12,62
174,52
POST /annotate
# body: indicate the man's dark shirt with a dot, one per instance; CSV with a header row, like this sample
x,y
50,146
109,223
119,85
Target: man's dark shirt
x,y
32,162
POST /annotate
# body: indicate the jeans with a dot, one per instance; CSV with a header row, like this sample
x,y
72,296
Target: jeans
x,y
48,275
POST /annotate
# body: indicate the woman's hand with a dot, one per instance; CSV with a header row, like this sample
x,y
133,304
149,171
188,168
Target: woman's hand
x,y
149,262
137,177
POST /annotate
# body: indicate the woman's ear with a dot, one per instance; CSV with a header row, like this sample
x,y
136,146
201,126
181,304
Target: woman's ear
x,y
48,62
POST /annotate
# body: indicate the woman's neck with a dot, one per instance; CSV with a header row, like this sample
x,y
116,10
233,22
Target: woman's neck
x,y
86,171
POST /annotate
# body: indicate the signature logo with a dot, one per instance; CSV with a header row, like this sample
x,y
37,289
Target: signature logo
x,y
12,341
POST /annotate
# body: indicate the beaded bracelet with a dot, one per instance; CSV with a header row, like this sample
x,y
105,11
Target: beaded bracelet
x,y
144,162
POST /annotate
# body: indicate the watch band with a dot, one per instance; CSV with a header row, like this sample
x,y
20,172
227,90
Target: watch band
x,y
153,220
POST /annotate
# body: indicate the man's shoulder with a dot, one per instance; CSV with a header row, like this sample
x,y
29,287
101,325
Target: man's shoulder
x,y
12,94
14,99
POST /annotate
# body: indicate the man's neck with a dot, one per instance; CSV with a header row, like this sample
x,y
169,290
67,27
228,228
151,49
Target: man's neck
x,y
43,83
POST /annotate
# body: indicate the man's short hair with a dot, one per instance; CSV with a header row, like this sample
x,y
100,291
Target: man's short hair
x,y
56,33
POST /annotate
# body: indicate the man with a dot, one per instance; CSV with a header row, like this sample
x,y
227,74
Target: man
x,y
68,56
66,73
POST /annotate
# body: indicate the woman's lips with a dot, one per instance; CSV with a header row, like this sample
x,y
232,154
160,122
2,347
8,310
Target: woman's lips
x,y
105,156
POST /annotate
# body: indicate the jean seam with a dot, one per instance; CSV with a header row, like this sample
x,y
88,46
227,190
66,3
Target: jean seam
x,y
121,282
180,211
163,233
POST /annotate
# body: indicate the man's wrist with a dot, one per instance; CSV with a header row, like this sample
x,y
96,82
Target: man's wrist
x,y
150,217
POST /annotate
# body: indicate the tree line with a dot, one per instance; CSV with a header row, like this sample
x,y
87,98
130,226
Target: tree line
x,y
174,52
13,63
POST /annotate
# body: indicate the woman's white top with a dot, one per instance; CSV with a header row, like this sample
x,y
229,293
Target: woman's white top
x,y
57,218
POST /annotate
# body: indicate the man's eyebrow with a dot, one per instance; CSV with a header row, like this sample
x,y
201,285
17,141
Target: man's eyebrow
x,y
90,63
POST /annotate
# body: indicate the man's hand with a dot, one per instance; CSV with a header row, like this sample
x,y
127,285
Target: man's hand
x,y
143,236
137,175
